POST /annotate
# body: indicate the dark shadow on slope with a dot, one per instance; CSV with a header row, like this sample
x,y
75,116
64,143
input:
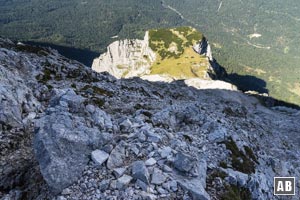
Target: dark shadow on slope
x,y
272,102
84,56
220,72
248,83
243,82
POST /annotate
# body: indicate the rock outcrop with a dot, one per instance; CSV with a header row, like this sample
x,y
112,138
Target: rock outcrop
x,y
64,141
67,132
126,58
203,48
163,55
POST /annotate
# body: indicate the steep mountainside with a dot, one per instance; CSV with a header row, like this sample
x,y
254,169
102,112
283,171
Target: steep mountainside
x,y
163,55
67,132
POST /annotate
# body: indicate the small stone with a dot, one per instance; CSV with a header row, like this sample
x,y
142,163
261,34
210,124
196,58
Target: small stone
x,y
117,156
151,154
90,108
217,135
153,137
123,181
194,187
141,137
135,150
103,185
113,184
165,152
61,198
142,185
161,190
158,177
150,162
66,191
183,162
90,185
166,168
126,126
139,171
99,157
166,185
148,196
118,172
108,148
173,185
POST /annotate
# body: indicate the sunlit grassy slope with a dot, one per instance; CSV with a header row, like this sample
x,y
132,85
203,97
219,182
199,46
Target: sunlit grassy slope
x,y
175,55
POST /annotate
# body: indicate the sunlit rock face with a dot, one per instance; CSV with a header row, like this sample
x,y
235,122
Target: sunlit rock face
x,y
126,58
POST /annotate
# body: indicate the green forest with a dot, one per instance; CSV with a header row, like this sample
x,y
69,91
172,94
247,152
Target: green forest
x,y
84,24
249,38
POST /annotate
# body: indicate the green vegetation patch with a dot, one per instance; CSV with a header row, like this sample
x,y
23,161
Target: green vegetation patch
x,y
175,55
46,76
160,41
33,49
240,161
163,40
236,193
97,90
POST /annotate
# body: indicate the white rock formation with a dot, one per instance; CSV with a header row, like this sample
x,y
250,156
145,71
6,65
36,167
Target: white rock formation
x,y
209,84
203,48
126,58
158,78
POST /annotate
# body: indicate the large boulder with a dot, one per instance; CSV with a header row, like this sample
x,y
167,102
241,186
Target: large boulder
x,y
63,141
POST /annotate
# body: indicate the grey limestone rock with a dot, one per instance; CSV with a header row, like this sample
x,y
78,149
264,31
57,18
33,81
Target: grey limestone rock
x,y
99,157
142,185
218,134
123,181
63,143
119,171
184,162
150,162
158,177
117,156
165,152
140,171
195,188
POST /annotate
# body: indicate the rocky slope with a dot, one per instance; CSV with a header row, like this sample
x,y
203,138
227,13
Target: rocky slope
x,y
67,132
170,54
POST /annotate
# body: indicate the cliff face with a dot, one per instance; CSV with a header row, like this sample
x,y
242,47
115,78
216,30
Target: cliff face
x,y
170,54
67,132
203,48
126,58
